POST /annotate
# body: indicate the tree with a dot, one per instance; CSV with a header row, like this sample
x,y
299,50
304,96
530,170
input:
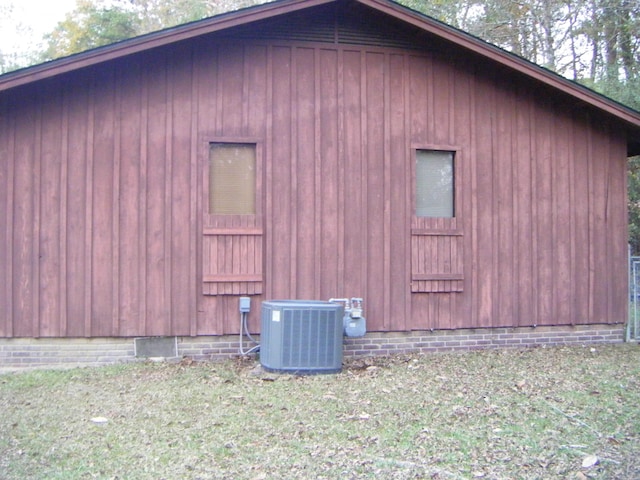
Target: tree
x,y
101,22
90,25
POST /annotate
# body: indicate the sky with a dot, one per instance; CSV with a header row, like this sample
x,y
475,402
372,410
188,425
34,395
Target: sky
x,y
29,21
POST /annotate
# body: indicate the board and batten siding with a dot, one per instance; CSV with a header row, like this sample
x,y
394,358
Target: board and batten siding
x,y
104,229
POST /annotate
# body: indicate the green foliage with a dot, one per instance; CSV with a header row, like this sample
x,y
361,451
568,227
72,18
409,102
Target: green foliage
x,y
95,23
91,25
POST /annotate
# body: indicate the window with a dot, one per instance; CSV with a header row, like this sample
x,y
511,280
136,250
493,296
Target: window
x,y
232,179
437,239
435,184
233,236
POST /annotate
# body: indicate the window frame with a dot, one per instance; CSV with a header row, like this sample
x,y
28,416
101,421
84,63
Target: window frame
x,y
248,221
232,245
450,225
438,243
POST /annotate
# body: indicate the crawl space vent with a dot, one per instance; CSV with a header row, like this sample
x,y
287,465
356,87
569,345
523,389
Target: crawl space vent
x,y
156,347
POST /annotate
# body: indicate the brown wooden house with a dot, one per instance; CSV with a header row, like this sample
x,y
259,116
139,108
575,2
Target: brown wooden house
x,y
308,149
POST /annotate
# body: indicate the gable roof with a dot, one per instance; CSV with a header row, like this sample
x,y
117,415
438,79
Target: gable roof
x,y
418,21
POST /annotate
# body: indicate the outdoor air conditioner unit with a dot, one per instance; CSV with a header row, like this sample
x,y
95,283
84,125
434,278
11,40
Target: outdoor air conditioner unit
x,y
301,336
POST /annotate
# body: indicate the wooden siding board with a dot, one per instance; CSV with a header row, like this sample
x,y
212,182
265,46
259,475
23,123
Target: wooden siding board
x,y
76,211
293,229
317,172
523,209
88,220
545,236
194,195
102,257
143,191
231,79
256,61
398,217
563,251
355,229
618,231
342,181
6,214
473,198
49,246
328,207
181,284
279,188
305,173
505,215
484,205
374,155
36,193
22,249
129,202
581,159
158,311
460,134
601,224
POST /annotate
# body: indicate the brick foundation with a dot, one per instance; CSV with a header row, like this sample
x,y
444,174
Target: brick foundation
x,y
22,353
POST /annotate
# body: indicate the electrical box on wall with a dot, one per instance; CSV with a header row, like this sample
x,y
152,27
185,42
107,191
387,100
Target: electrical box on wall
x,y
245,304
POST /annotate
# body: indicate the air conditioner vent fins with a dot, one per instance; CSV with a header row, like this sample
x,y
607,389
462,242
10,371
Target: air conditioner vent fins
x,y
301,336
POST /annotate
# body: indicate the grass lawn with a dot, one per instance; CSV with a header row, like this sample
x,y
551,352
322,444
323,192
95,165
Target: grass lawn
x,y
542,413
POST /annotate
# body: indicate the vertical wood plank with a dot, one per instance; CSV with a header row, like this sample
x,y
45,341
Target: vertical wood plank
x,y
544,216
599,222
461,132
143,194
88,220
37,216
294,182
115,208
483,227
305,199
564,240
522,210
76,204
341,183
268,176
158,311
618,230
22,249
355,228
49,290
102,259
194,216
581,161
281,165
504,204
129,201
181,65
398,217
328,169
374,154
6,215
386,192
